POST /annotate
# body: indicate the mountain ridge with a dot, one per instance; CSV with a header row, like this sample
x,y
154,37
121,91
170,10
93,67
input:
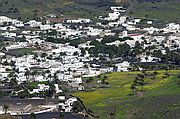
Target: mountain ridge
x,y
30,9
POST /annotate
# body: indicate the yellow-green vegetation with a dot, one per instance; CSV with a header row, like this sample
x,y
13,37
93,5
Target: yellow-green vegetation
x,y
121,98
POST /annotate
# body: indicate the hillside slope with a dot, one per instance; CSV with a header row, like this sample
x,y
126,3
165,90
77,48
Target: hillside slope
x,y
167,10
159,98
70,8
28,9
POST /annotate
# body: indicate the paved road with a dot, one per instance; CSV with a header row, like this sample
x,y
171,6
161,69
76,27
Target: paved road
x,y
14,101
53,115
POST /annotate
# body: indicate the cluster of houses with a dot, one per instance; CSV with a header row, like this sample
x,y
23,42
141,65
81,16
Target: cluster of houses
x,y
64,62
38,106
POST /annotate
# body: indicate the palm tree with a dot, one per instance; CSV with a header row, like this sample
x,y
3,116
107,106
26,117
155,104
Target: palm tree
x,y
5,82
43,55
12,63
13,82
146,58
69,70
43,74
5,108
11,74
141,83
76,53
99,76
133,87
32,116
50,76
77,107
48,71
55,78
86,66
27,73
61,115
35,56
34,73
63,54
113,113
103,80
38,60
74,71
146,66
36,44
89,80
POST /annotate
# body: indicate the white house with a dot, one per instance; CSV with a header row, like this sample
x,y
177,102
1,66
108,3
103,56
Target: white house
x,y
137,20
79,20
136,36
9,34
17,23
17,46
34,23
4,19
151,30
10,28
67,106
173,26
118,9
57,88
1,54
41,87
122,19
123,66
45,27
94,32
58,26
148,59
113,16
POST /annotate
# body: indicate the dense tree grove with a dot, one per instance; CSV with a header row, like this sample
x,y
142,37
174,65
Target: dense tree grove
x,y
101,48
76,42
56,40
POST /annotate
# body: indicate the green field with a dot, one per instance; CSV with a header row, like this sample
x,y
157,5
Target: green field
x,y
159,99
